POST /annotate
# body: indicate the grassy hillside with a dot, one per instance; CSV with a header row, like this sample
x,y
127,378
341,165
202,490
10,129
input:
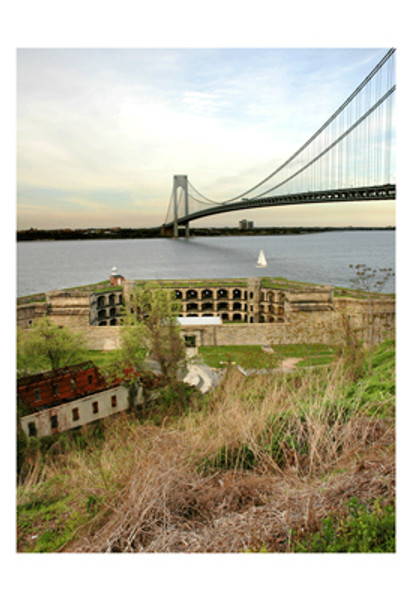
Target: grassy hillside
x,y
297,462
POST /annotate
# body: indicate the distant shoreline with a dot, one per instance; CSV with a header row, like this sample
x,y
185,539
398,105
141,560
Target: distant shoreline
x,y
155,232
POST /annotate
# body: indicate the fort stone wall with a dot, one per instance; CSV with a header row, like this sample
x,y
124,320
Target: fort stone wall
x,y
251,313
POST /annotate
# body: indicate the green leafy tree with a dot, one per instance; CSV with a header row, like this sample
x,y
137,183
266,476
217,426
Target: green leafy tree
x,y
151,332
47,346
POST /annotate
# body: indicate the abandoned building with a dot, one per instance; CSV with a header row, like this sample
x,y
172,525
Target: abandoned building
x,y
68,398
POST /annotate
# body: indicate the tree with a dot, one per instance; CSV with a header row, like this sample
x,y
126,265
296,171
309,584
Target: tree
x,y
47,346
372,281
150,324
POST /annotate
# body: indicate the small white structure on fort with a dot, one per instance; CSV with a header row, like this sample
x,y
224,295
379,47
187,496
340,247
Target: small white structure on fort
x,y
199,320
115,277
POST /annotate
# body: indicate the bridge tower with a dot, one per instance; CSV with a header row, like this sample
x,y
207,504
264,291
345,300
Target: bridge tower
x,y
180,183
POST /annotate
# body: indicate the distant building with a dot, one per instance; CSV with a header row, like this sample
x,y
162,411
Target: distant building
x,y
244,225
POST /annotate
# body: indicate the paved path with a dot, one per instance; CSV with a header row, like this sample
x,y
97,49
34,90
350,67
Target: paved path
x,y
205,378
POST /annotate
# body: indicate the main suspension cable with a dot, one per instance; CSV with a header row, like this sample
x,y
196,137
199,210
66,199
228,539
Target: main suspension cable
x,y
313,137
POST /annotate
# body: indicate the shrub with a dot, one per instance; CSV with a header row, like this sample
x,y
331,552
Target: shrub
x,y
363,530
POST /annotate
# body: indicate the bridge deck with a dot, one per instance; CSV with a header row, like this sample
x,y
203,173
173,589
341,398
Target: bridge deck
x,y
359,194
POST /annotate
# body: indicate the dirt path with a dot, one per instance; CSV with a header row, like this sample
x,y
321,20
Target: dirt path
x,y
289,363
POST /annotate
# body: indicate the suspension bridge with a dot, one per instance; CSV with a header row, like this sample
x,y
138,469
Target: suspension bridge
x,y
350,158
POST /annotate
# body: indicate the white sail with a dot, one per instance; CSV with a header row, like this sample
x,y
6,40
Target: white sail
x,y
261,260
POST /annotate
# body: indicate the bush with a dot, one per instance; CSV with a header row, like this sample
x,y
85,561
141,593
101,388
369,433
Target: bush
x,y
363,530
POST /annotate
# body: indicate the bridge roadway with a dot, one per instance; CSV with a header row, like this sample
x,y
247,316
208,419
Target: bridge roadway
x,y
359,194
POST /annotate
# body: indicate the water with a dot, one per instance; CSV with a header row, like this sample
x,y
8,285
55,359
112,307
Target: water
x,y
316,258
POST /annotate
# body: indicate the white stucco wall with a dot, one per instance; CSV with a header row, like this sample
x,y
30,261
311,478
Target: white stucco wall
x,y
84,406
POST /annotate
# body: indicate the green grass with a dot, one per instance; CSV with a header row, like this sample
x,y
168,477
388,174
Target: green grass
x,y
101,358
254,356
195,282
246,356
49,521
365,529
283,283
377,386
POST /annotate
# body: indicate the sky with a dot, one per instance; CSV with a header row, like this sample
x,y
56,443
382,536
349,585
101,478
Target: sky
x,y
102,131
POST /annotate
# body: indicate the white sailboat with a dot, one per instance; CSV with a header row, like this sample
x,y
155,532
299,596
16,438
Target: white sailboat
x,y
261,260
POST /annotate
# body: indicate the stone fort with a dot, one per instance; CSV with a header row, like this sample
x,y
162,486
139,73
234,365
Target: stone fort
x,y
252,311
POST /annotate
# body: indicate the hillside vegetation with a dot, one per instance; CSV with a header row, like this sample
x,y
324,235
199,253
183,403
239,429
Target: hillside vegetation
x,y
297,462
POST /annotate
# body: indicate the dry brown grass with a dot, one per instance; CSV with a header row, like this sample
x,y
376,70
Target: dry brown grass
x,y
160,491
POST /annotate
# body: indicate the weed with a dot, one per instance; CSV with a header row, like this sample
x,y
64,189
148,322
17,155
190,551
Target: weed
x,y
363,530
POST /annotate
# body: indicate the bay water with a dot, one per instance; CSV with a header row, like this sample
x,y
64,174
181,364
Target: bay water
x,y
322,258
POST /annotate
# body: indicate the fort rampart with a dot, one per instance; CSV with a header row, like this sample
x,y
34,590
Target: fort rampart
x,y
252,313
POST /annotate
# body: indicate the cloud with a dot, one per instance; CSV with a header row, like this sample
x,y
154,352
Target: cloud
x,y
123,122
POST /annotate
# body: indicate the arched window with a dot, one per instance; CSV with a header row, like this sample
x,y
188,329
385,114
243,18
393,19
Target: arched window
x,y
236,317
206,294
236,293
207,306
101,301
191,294
222,293
112,300
237,306
101,314
222,305
192,306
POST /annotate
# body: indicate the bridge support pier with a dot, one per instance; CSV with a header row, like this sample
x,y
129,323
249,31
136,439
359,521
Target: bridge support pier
x,y
180,183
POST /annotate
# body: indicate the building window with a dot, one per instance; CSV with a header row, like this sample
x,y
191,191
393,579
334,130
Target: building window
x,y
55,389
32,429
76,414
90,379
113,401
54,422
95,407
37,395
